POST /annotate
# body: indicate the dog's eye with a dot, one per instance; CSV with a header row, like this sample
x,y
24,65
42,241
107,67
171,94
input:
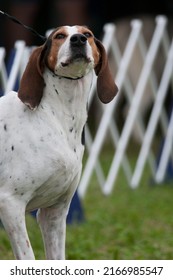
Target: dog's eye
x,y
60,36
88,34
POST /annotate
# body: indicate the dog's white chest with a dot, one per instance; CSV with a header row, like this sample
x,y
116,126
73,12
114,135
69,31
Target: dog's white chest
x,y
64,170
48,142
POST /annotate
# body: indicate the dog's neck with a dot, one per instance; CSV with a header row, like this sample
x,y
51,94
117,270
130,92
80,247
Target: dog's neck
x,y
67,92
67,99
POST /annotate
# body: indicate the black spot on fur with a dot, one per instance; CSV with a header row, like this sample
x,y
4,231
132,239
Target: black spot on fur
x,y
56,91
71,129
12,148
5,127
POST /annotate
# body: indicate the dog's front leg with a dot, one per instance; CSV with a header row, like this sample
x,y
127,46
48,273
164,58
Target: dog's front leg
x,y
12,214
52,222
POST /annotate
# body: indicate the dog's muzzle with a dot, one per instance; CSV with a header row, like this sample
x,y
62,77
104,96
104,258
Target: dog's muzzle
x,y
78,49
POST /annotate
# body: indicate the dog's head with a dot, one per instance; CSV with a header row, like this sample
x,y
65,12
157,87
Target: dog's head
x,y
69,52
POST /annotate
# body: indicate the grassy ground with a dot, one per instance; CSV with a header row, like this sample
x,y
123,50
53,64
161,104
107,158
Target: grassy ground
x,y
128,224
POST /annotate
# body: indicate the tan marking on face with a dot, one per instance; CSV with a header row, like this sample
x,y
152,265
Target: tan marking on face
x,y
55,45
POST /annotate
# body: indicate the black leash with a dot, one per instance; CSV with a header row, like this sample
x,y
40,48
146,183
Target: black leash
x,y
43,38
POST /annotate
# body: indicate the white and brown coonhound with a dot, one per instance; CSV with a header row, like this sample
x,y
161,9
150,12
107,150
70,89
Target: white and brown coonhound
x,y
41,135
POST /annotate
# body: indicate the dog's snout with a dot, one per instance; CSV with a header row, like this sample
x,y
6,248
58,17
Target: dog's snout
x,y
78,40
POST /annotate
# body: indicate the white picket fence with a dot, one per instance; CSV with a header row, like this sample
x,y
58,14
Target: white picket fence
x,y
160,46
134,96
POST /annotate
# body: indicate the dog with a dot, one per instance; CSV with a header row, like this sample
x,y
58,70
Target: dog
x,y
42,135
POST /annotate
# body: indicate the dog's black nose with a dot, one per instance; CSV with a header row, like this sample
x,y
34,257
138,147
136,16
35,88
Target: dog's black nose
x,y
78,40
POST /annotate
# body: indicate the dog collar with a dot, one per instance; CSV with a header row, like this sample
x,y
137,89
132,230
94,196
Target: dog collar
x,y
69,78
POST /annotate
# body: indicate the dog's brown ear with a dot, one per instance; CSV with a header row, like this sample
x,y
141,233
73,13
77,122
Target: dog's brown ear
x,y
106,87
32,82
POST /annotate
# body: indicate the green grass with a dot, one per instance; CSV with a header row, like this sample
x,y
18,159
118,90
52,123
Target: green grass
x,y
128,224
